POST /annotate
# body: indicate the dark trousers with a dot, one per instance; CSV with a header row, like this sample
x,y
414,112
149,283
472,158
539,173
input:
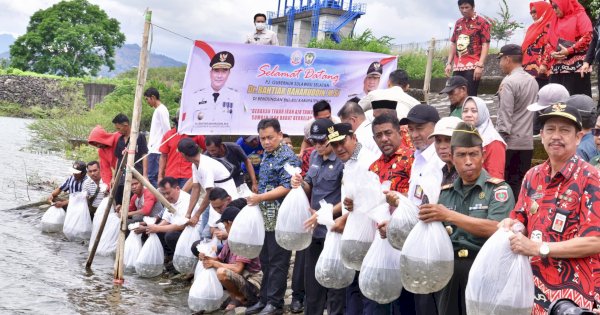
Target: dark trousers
x,y
452,297
171,239
182,181
318,297
275,262
473,84
298,276
357,304
541,82
574,83
153,159
518,162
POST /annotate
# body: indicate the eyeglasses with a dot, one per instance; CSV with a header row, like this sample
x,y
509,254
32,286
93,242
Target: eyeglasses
x,y
315,142
596,132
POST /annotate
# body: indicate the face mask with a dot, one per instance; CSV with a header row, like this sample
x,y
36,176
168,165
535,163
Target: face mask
x,y
260,26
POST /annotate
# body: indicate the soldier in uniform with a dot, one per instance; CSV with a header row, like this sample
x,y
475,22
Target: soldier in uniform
x,y
470,208
216,105
371,81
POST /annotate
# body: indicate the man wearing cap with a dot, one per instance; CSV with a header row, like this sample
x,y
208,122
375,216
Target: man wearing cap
x,y
354,115
385,106
73,184
442,133
262,36
323,181
457,90
550,94
469,47
215,106
397,86
470,208
515,123
587,110
558,204
371,81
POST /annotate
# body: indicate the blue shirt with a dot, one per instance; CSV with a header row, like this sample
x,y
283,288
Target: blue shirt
x,y
254,154
587,148
71,185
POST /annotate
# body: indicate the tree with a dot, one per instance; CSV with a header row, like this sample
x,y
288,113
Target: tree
x,y
592,8
71,38
503,28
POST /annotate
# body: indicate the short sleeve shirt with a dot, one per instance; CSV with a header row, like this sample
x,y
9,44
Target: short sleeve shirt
x,y
71,185
141,149
395,168
236,156
177,166
228,257
89,186
556,209
254,155
469,36
211,170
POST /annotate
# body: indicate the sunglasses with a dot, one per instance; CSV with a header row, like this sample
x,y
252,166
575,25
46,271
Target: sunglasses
x,y
315,142
596,132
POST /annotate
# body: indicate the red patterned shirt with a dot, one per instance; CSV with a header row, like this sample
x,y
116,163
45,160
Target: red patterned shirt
x,y
469,36
395,168
556,209
406,142
305,157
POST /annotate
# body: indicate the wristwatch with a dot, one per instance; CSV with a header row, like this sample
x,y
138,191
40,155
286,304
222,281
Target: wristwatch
x,y
544,250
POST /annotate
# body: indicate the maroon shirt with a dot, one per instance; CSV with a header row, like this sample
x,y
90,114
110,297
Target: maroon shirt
x,y
228,257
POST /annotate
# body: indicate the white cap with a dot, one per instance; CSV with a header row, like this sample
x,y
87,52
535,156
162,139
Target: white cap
x,y
445,126
550,94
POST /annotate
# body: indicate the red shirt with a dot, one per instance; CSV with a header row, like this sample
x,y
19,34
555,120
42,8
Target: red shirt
x,y
469,36
306,160
494,157
177,166
146,205
395,168
557,209
406,142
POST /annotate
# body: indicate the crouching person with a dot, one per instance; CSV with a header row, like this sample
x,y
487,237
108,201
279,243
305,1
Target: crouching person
x,y
240,276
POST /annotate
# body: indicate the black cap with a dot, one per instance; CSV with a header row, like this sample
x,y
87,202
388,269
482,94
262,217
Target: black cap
x,y
188,147
465,136
562,110
78,167
222,60
338,132
375,68
453,83
318,129
421,114
510,50
384,104
229,214
583,103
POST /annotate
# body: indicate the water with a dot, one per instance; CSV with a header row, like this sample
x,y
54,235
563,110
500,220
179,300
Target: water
x,y
397,235
184,264
44,273
245,250
477,308
353,252
331,273
379,284
423,277
293,240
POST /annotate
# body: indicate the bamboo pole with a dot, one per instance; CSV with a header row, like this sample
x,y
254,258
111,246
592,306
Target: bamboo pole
x,y
146,183
135,125
428,69
113,192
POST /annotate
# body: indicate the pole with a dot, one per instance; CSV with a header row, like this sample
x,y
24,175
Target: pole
x,y
428,69
135,126
153,190
113,192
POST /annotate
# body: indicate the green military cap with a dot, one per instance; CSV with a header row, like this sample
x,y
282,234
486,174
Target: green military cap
x,y
222,60
465,135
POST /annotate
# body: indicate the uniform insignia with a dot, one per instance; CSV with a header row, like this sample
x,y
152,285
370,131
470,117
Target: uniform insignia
x,y
202,102
315,128
330,166
494,180
559,107
534,207
447,186
482,195
449,229
223,57
501,195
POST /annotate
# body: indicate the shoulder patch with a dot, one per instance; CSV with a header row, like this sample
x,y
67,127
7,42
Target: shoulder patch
x,y
505,187
200,90
231,89
494,180
448,186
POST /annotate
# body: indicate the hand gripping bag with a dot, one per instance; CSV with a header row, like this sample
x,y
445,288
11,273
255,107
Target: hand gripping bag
x,y
206,293
53,220
78,223
500,281
184,260
247,233
133,247
379,278
150,261
293,212
403,220
330,271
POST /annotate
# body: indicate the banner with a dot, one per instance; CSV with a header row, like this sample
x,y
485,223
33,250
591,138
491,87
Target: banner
x,y
229,88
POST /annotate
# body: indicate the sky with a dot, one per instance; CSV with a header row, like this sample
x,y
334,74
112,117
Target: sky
x,y
230,20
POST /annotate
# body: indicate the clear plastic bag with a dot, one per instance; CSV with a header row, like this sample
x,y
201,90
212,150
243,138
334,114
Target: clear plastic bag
x,y
53,220
500,281
403,220
206,293
97,220
356,239
379,278
78,223
247,233
293,212
133,247
184,260
110,236
330,271
367,193
150,262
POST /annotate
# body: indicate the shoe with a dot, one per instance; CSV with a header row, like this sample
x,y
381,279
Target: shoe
x,y
296,307
255,309
271,310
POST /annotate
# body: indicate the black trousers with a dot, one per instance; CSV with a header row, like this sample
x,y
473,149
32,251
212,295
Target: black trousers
x,y
298,276
318,297
171,239
275,263
452,297
574,83
357,304
473,84
518,162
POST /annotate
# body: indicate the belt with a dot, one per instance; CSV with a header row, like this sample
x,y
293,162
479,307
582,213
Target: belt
x,y
465,253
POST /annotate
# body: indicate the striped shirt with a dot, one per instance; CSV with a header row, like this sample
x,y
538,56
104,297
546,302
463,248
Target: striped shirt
x,y
89,186
71,185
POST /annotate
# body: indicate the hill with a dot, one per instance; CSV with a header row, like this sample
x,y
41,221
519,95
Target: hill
x,y
128,57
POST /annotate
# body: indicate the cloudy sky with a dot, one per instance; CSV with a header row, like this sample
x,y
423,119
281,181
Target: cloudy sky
x,y
229,20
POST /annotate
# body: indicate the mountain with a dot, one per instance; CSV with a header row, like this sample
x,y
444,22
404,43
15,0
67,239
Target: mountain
x,y
5,41
5,55
128,57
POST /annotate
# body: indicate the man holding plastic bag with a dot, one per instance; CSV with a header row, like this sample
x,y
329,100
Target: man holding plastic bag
x,y
558,204
323,181
470,208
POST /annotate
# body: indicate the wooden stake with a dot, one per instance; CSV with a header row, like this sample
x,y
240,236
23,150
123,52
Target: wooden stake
x,y
428,69
135,126
146,183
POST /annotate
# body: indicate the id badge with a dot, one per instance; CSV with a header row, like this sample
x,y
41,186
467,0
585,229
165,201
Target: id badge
x,y
418,192
559,222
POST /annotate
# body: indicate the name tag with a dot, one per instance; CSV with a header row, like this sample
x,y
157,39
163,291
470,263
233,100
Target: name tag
x,y
418,192
559,222
478,207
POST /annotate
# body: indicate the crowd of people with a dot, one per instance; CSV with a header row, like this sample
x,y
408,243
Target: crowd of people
x,y
483,171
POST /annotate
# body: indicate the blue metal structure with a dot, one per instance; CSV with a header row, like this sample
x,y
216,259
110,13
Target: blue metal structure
x,y
353,12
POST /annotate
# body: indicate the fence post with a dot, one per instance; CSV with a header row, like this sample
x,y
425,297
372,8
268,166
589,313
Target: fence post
x,y
428,69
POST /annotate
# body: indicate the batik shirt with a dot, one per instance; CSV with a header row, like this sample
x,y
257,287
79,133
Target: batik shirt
x,y
556,209
395,168
469,36
272,175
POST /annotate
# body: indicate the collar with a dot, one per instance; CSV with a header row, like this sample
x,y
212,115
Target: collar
x,y
567,170
483,177
363,124
276,151
401,151
356,151
475,16
447,170
332,157
517,69
426,154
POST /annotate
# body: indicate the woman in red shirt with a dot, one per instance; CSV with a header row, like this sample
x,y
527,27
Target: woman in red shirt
x,y
476,113
536,38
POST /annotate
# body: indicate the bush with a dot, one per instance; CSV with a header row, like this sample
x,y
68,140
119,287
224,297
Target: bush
x,y
415,63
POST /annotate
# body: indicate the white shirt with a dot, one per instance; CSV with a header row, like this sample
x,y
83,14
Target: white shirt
x,y
158,127
181,207
265,37
364,134
211,170
362,163
426,170
395,93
